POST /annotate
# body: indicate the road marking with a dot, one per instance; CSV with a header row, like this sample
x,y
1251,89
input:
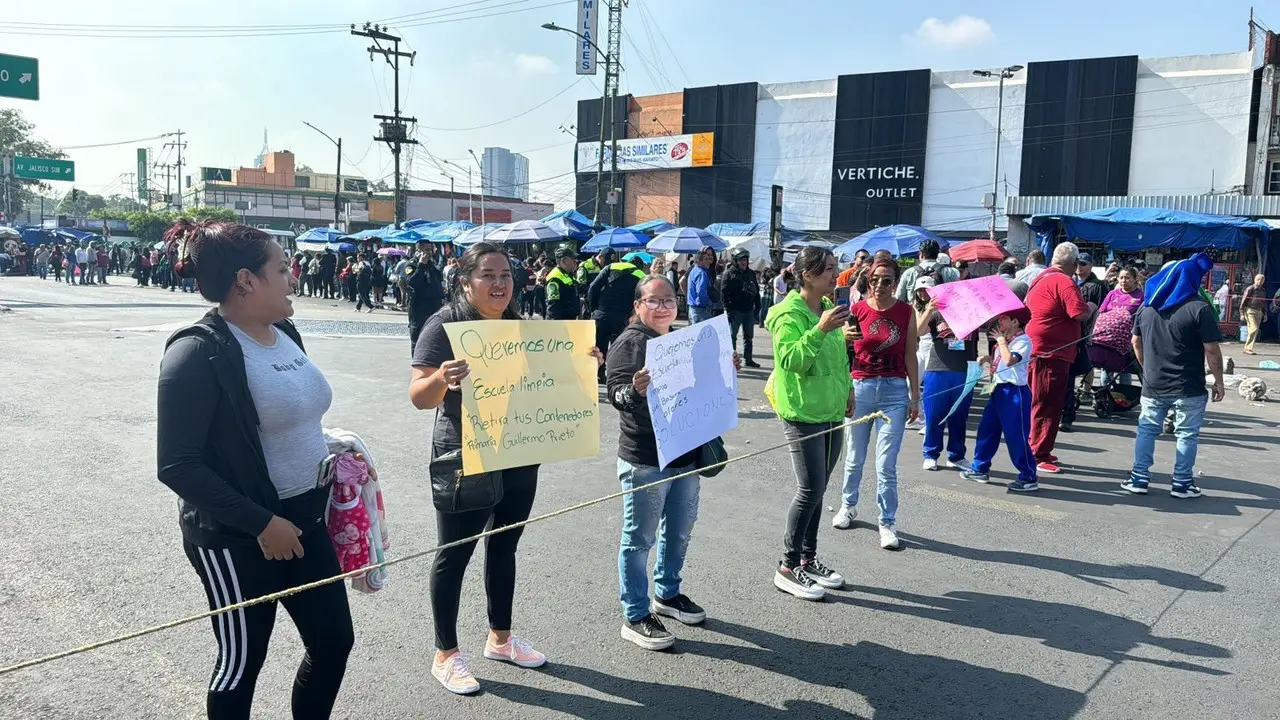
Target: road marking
x,y
1033,511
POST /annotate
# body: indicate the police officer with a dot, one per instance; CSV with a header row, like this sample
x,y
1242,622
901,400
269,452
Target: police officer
x,y
610,298
425,284
740,292
588,270
562,289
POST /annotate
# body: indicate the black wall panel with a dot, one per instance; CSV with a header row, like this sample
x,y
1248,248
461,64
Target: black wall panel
x,y
1078,127
882,125
589,122
722,192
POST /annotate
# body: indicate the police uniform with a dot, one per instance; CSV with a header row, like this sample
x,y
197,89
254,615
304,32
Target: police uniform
x,y
610,299
426,295
562,296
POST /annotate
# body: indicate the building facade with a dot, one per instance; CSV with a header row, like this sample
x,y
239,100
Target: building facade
x,y
504,173
433,205
919,146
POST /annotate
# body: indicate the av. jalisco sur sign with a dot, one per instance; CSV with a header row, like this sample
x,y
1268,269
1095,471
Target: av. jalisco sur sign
x,y
43,168
19,77
653,153
531,396
693,392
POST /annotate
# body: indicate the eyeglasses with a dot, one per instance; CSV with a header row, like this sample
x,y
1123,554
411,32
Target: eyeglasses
x,y
664,303
880,280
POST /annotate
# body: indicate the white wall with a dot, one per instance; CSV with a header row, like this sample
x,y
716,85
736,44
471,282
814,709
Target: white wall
x,y
795,138
433,208
1190,124
960,152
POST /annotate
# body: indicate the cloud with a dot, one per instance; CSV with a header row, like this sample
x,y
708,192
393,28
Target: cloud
x,y
530,65
960,32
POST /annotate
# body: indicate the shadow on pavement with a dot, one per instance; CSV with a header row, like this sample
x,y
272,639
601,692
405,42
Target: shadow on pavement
x,y
24,304
1090,572
1057,625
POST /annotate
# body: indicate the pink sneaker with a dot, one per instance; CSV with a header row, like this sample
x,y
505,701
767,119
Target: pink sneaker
x,y
515,651
455,675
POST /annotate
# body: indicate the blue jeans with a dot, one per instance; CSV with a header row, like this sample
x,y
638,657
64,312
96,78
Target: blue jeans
x,y
698,314
666,512
1188,415
941,390
43,270
890,396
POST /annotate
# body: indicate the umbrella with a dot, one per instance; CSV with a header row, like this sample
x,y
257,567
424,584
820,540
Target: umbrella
x,y
653,226
570,214
416,222
476,234
643,257
344,247
404,237
394,252
321,234
368,234
9,232
618,239
446,232
978,251
523,231
686,240
899,240
569,227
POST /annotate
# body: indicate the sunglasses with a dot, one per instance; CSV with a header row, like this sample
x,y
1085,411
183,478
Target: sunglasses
x,y
880,280
655,303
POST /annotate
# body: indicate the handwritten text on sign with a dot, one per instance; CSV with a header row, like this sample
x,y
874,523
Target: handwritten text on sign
x,y
693,395
531,395
967,304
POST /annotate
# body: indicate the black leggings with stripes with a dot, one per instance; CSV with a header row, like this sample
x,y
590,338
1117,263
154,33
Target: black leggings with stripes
x,y
321,615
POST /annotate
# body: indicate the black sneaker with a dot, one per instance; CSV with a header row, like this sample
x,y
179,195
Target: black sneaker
x,y
679,607
795,581
821,574
648,633
751,363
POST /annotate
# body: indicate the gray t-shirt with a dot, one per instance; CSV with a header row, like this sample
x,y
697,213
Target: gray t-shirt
x,y
291,396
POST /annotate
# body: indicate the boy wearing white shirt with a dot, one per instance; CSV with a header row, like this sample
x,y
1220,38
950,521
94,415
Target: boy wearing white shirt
x,y
1008,410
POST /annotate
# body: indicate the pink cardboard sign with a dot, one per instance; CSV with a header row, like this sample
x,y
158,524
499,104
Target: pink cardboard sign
x,y
967,304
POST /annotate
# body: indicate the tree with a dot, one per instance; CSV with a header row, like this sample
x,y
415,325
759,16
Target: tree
x,y
380,186
149,226
78,203
124,203
16,138
304,169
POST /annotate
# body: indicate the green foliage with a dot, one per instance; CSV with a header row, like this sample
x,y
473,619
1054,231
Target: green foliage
x,y
77,203
16,138
149,226
379,186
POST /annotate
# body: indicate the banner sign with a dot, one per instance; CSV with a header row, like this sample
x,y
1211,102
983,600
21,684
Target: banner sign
x,y
652,153
693,392
143,197
588,24
967,305
532,395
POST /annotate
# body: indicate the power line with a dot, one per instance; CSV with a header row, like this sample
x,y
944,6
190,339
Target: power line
x,y
110,144
513,117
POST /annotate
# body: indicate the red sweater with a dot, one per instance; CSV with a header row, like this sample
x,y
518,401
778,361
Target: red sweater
x,y
1057,309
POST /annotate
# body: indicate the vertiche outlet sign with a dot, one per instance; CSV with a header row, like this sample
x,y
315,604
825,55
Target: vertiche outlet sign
x,y
652,153
883,182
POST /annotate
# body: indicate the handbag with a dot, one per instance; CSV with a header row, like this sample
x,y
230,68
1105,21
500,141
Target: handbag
x,y
454,492
711,457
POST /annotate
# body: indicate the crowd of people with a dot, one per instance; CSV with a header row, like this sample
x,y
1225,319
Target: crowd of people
x,y
241,449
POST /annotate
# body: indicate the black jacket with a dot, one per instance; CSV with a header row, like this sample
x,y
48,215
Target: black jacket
x,y
739,289
636,442
612,293
426,290
207,445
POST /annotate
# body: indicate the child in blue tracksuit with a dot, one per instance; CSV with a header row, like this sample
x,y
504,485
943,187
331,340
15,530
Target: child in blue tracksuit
x,y
1008,410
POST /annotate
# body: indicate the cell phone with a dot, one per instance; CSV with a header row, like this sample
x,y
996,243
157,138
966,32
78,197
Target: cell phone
x,y
842,296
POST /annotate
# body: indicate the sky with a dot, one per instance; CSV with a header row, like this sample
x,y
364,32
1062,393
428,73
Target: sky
x,y
486,73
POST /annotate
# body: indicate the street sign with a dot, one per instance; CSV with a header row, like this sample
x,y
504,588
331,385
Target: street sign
x,y
43,168
19,77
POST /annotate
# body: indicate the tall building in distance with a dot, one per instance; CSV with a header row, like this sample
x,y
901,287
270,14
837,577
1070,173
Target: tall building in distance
x,y
505,173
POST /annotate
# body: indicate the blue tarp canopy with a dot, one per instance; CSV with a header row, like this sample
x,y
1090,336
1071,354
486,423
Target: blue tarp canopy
x,y
73,234
653,226
759,229
445,231
569,214
901,240
320,234
364,234
1142,228
570,227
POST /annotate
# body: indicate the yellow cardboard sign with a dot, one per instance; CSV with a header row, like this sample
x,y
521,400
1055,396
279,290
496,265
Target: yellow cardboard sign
x,y
532,394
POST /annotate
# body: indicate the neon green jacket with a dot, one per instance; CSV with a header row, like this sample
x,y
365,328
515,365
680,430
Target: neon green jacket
x,y
810,382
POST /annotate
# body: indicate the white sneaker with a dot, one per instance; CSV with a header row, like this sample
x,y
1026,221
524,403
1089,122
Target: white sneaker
x,y
455,675
888,537
921,430
930,464
960,464
917,423
844,519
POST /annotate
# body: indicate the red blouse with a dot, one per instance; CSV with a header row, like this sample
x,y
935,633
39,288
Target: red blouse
x,y
882,351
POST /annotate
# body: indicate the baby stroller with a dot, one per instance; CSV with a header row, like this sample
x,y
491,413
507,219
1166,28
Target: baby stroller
x,y
1111,397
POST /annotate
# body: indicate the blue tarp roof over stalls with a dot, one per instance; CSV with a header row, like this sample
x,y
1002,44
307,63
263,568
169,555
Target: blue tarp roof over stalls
x,y
1141,228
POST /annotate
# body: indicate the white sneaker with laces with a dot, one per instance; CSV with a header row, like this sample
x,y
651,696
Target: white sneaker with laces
x,y
844,519
960,464
455,674
888,537
930,464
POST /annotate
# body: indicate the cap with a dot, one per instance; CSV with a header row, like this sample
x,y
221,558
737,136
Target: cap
x,y
944,259
564,251
1086,258
925,282
740,253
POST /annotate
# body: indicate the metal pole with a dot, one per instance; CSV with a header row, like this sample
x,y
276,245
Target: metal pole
x,y
471,201
995,176
604,104
613,171
453,204
337,188
395,149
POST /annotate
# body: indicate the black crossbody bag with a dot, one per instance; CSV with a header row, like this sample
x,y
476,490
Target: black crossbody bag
x,y
454,492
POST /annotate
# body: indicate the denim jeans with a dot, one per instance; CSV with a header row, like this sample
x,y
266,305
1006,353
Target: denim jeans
x,y
1188,415
890,396
698,314
746,321
666,512
43,270
813,460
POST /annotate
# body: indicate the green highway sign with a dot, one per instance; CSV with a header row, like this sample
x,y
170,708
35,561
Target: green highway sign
x,y
43,169
19,77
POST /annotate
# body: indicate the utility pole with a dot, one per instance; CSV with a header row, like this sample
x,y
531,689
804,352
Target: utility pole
x,y
482,190
168,175
453,206
130,185
394,133
1003,74
613,47
179,145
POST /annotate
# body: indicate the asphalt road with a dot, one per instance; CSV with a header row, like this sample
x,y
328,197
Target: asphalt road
x,y
1077,602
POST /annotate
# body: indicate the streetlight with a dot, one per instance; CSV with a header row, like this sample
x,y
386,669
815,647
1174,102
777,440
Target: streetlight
x,y
481,168
1004,74
604,104
453,212
470,215
337,188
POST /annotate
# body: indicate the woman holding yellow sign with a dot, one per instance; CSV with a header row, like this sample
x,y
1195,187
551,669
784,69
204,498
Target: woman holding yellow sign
x,y
482,290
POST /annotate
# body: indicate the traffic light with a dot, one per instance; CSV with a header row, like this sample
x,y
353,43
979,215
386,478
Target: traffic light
x,y
75,195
